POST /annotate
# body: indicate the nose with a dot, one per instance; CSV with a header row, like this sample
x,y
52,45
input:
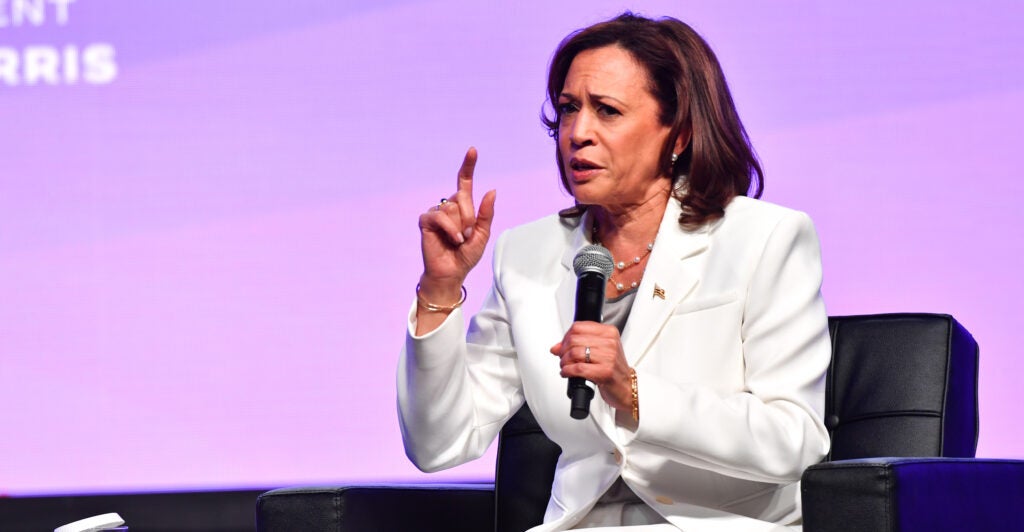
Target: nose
x,y
580,129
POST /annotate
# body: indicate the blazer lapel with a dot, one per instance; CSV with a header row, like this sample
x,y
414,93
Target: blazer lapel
x,y
672,274
565,295
672,268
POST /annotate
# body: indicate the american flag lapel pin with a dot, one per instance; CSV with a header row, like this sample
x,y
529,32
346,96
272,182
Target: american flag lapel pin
x,y
659,291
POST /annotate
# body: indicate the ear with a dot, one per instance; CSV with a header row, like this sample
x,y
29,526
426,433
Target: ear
x,y
682,141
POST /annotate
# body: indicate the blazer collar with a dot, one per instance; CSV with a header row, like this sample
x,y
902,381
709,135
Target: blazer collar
x,y
672,274
667,270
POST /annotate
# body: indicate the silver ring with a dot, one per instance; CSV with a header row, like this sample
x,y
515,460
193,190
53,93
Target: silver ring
x,y
586,354
440,204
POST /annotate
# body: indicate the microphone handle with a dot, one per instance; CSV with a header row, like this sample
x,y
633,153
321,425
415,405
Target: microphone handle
x,y
589,303
579,397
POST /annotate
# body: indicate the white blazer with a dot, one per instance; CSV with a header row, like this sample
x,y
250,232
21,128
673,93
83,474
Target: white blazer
x,y
730,369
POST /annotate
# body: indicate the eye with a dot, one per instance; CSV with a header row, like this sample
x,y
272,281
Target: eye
x,y
565,108
607,110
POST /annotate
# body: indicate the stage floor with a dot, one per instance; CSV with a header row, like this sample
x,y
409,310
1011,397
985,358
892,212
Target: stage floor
x,y
200,511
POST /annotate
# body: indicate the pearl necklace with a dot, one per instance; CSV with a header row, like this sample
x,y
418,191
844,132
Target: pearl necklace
x,y
622,265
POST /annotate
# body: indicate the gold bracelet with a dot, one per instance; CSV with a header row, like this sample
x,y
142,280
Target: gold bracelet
x,y
636,396
430,307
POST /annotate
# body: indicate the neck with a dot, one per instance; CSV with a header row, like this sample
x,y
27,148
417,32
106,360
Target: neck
x,y
630,226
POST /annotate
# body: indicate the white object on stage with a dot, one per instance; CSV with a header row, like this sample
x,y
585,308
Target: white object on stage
x,y
92,524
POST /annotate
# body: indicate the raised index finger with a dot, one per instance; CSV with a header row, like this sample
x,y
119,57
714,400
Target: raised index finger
x,y
466,172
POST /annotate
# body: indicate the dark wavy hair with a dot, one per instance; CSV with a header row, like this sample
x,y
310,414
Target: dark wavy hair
x,y
685,78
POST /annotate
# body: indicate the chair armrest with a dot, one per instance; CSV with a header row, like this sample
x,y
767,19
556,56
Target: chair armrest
x,y
461,507
910,494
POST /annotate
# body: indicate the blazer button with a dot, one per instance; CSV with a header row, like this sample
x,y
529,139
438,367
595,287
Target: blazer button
x,y
664,500
618,457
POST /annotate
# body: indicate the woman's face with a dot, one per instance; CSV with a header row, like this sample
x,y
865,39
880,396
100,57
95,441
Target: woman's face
x,y
609,134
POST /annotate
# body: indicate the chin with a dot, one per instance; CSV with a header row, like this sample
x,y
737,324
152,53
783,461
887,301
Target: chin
x,y
587,199
579,193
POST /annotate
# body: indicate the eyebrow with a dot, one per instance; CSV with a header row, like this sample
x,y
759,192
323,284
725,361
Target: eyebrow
x,y
593,96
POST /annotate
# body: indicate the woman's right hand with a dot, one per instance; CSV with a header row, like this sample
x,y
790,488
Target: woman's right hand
x,y
453,238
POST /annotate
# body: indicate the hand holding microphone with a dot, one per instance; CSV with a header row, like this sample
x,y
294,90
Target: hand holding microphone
x,y
590,350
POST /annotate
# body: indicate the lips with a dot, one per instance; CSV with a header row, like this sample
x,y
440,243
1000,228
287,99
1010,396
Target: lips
x,y
582,164
582,169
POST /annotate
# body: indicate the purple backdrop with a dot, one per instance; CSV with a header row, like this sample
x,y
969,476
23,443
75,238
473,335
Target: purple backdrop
x,y
208,210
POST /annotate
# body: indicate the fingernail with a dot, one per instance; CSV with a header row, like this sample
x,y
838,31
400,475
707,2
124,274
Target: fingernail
x,y
468,232
459,238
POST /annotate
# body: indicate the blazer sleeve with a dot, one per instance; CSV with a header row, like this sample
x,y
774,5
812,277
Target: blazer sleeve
x,y
773,429
456,390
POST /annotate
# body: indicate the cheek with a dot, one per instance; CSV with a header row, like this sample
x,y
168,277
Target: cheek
x,y
563,136
564,152
643,155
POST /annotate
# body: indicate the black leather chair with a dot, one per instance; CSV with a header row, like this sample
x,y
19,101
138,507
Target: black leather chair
x,y
900,385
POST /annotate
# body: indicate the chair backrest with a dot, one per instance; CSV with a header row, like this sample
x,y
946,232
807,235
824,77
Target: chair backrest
x,y
901,385
898,385
523,473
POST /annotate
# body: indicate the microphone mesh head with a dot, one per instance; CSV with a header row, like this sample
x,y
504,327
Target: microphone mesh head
x,y
593,259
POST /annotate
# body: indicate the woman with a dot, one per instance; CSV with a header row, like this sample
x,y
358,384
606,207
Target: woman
x,y
711,359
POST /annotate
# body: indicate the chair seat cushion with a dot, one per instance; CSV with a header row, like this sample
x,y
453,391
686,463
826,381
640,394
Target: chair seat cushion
x,y
464,507
911,494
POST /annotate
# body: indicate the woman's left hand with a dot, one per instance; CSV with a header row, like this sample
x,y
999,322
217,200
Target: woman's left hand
x,y
607,367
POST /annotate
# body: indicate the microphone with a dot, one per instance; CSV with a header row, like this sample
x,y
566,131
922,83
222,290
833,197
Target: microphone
x,y
593,265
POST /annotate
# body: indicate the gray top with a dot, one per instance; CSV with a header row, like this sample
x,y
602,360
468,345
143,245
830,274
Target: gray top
x,y
616,310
